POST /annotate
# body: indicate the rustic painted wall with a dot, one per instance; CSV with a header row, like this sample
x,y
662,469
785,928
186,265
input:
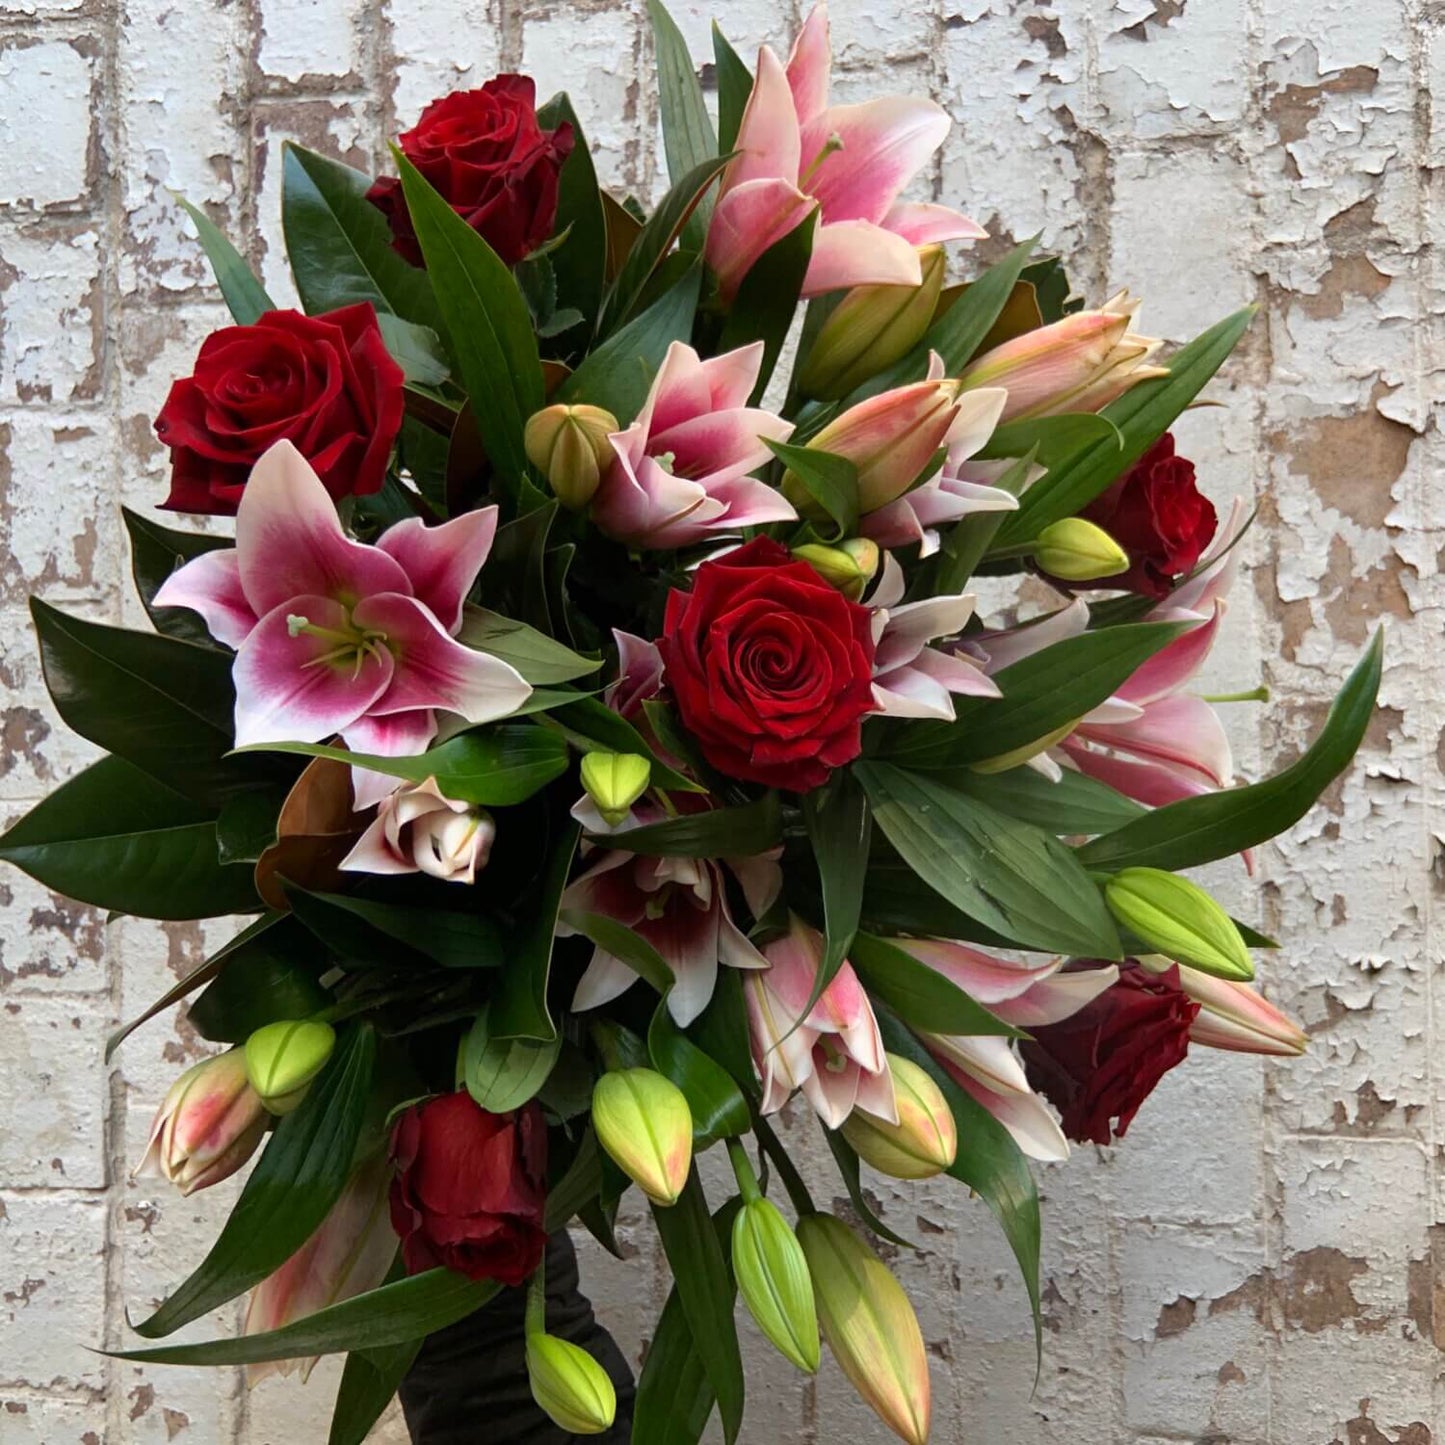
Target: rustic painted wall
x,y
1264,1262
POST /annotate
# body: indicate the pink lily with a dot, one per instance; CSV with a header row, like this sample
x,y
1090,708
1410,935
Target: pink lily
x,y
1233,1016
850,163
680,471
834,1053
418,829
680,906
986,1065
350,1253
335,636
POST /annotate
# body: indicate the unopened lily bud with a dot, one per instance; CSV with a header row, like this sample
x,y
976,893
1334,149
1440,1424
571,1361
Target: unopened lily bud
x,y
850,566
869,1325
1233,1016
773,1279
1180,920
208,1125
870,329
923,1142
571,446
643,1122
1078,551
615,781
573,1390
283,1058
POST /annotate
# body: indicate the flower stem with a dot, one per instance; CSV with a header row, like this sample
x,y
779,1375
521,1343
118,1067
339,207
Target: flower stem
x,y
792,1180
743,1170
1255,694
536,1321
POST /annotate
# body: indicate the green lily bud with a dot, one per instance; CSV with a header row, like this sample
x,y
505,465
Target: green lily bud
x,y
283,1058
850,566
1180,920
570,446
571,1388
615,781
773,1279
870,329
869,1325
643,1122
1078,551
923,1142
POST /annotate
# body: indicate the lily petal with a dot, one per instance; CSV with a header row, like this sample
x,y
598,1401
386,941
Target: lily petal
x,y
768,141
921,223
442,562
884,144
748,219
211,586
857,253
810,65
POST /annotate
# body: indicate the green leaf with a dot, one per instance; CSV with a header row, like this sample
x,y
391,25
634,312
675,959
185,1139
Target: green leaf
x,y
299,1176
674,1398
503,1074
339,244
687,136
1142,415
590,724
1016,880
622,943
717,1104
618,374
539,658
767,300
266,979
921,996
156,552
493,767
734,86
1052,439
246,827
580,262
1075,804
832,481
839,830
706,1290
722,1030
745,830
416,349
116,838
244,294
1214,825
368,1382
846,1158
485,322
1043,692
364,931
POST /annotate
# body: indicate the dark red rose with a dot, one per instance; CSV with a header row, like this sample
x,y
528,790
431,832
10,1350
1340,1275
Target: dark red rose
x,y
325,383
1104,1061
489,159
470,1188
1156,514
770,667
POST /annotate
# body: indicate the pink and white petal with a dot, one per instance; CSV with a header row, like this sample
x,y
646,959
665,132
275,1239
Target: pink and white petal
x,y
433,670
1009,646
732,376
907,692
636,505
1152,784
1112,711
810,65
876,1094
639,673
983,976
921,223
974,423
678,391
285,693
734,948
858,253
913,625
1216,571
890,589
605,979
1184,732
897,524
442,562
885,143
747,220
687,939
1054,999
768,141
289,541
832,1094
393,735
718,445
1172,666
1027,1118
373,853
956,672
964,498
761,880
747,502
211,586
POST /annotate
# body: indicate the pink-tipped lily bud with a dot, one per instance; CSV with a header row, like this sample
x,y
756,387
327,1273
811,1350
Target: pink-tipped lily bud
x,y
869,1325
283,1058
1177,918
1080,363
418,829
571,446
850,566
773,1279
208,1125
870,329
923,1142
1234,1016
890,438
569,1386
643,1121
1078,551
615,781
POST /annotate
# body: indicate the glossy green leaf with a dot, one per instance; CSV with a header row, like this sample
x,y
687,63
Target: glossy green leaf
x,y
368,1382
539,658
717,1104
734,86
579,263
832,481
364,931
156,552
590,724
416,349
116,838
1214,825
687,137
269,978
839,830
767,300
1052,439
1021,882
745,830
622,943
846,1158
722,1030
299,1176
921,996
503,1074
244,294
246,826
1074,804
898,902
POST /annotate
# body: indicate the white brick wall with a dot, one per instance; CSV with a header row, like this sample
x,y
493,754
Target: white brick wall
x,y
1260,1264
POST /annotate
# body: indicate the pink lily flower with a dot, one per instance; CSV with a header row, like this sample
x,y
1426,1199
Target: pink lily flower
x,y
418,829
334,636
1233,1016
985,1065
680,471
834,1053
350,1253
850,163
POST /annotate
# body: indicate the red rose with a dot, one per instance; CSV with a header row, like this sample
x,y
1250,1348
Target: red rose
x,y
1101,1063
1156,514
325,383
770,667
470,1188
489,159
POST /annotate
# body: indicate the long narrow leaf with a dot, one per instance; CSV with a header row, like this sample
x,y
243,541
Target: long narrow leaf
x,y
243,293
580,262
687,136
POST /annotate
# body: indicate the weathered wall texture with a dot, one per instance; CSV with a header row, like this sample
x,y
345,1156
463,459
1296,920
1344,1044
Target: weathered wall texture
x,y
1264,1261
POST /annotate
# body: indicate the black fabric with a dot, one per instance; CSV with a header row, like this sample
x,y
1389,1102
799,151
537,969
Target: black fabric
x,y
469,1383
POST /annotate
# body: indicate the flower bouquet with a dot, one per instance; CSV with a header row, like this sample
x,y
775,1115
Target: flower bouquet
x,y
592,715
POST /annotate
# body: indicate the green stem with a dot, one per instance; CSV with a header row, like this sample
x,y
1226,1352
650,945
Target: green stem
x,y
743,1171
792,1180
536,1323
1255,694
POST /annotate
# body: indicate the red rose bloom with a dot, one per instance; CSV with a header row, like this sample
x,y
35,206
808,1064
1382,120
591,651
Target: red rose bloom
x,y
1156,514
1104,1061
770,667
491,162
325,383
470,1188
